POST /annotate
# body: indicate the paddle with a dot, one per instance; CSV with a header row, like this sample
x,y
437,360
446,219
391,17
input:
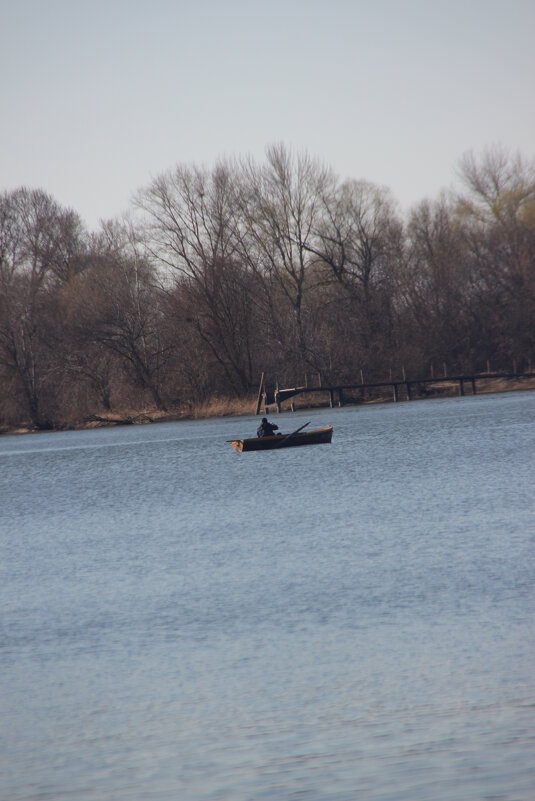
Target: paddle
x,y
287,436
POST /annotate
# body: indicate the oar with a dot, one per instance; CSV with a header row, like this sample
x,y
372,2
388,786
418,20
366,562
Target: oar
x,y
282,439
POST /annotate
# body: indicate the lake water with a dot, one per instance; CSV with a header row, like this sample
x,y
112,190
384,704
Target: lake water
x,y
332,623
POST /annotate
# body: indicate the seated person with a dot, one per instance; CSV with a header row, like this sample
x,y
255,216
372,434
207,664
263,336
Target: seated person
x,y
266,429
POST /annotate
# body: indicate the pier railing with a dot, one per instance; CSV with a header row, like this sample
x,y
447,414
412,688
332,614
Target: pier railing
x,y
400,389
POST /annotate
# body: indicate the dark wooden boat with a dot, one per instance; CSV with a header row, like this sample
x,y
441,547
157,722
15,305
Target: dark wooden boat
x,y
318,436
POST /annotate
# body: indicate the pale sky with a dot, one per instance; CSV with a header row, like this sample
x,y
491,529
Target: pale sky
x,y
99,97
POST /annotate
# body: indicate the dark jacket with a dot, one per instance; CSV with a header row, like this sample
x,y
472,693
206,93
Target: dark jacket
x,y
266,429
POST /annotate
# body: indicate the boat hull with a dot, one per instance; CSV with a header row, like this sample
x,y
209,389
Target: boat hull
x,y
318,436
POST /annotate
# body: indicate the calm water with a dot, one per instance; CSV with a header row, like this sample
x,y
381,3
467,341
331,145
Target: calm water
x,y
332,623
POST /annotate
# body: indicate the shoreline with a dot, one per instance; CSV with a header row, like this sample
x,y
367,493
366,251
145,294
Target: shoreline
x,y
246,407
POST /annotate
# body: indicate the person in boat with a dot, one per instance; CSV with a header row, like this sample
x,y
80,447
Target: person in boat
x,y
266,429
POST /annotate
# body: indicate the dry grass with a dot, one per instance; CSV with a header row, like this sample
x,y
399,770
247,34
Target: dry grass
x,y
506,384
223,407
235,407
217,407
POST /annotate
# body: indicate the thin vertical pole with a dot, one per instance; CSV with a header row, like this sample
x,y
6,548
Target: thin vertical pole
x,y
260,389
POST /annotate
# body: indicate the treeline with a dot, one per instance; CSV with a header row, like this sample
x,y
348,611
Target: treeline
x,y
276,267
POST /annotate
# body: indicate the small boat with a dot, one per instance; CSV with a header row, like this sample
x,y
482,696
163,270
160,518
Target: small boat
x,y
317,436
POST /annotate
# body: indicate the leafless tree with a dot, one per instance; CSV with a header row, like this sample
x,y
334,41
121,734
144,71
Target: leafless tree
x,y
360,243
437,283
38,241
114,308
191,231
280,206
498,210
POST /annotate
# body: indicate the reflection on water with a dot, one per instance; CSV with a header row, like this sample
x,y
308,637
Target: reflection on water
x,y
351,621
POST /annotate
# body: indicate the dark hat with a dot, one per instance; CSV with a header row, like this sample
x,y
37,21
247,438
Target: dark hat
x,y
264,419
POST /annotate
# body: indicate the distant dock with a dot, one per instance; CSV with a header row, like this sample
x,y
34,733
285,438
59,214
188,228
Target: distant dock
x,y
399,389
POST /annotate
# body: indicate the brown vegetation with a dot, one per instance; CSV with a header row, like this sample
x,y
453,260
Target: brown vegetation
x,y
276,267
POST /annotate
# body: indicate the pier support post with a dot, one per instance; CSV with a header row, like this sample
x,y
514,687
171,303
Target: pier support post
x,y
395,388
340,397
331,398
409,395
473,385
260,393
461,387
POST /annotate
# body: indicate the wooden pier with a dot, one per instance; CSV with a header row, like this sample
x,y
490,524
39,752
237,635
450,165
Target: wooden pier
x,y
400,389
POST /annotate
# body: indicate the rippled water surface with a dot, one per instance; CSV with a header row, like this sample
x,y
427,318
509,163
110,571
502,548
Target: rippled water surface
x,y
343,622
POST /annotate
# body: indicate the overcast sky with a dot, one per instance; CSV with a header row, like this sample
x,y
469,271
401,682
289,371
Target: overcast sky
x,y
97,98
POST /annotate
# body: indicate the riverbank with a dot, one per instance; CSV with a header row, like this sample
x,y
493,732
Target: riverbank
x,y
240,407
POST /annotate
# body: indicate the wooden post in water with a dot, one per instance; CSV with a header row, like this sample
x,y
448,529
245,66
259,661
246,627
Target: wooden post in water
x,y
473,385
260,389
331,397
395,388
409,396
340,397
461,387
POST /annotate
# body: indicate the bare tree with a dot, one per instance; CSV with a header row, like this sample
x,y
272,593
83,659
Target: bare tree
x,y
360,243
38,240
114,305
437,283
191,231
280,207
499,211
